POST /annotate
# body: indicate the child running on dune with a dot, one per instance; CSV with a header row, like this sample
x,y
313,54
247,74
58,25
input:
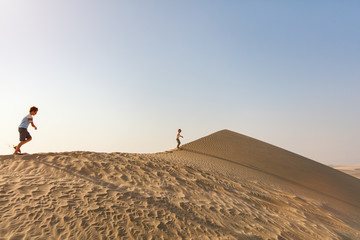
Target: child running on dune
x,y
177,139
25,136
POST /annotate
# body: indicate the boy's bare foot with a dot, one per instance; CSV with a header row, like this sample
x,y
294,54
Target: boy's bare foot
x,y
15,149
19,151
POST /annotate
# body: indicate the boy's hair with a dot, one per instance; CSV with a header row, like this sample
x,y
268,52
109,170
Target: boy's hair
x,y
33,108
179,130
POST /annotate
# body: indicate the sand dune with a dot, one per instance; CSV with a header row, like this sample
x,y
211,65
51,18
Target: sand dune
x,y
224,186
241,156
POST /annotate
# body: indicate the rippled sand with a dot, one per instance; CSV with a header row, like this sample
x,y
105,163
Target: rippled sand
x,y
223,186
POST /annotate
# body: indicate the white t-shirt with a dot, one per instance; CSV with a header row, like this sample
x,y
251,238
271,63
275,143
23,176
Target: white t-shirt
x,y
26,121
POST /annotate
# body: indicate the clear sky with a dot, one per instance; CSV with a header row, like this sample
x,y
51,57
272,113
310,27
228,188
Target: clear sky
x,y
125,75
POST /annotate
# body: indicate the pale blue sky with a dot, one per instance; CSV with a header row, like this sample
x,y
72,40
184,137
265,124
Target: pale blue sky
x,y
125,75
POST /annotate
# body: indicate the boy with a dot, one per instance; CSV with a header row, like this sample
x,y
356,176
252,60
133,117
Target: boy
x,y
177,138
25,136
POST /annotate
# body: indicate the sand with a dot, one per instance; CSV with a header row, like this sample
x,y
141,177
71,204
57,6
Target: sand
x,y
223,186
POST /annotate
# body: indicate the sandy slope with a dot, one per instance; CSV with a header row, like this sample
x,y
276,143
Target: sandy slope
x,y
224,186
244,157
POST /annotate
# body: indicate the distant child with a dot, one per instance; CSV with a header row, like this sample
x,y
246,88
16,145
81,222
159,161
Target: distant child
x,y
25,136
177,138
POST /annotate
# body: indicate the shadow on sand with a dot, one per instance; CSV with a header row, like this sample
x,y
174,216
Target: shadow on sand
x,y
273,175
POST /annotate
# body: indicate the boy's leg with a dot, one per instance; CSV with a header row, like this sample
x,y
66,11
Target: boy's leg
x,y
178,146
17,149
25,137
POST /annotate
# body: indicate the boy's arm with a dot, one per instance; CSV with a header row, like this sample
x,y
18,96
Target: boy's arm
x,y
32,124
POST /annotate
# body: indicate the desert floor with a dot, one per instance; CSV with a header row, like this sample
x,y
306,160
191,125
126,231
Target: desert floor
x,y
207,190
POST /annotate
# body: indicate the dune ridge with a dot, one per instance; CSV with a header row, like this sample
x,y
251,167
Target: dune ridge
x,y
352,170
194,193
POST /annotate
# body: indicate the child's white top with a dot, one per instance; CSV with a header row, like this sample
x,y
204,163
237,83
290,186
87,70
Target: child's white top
x,y
26,121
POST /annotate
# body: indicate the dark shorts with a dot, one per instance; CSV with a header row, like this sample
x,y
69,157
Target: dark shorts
x,y
24,134
178,141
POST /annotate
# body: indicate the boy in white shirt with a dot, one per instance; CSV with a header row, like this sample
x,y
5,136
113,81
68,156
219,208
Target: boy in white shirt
x,y
178,136
25,136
